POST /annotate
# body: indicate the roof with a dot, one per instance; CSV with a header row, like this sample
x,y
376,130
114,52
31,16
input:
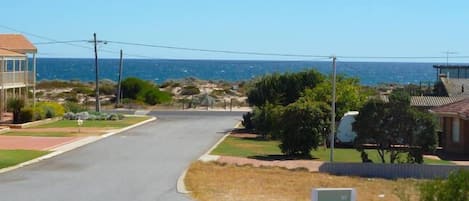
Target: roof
x,y
8,53
429,101
16,43
450,66
455,86
459,108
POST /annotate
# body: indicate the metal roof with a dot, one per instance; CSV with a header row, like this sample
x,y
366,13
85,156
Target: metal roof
x,y
459,108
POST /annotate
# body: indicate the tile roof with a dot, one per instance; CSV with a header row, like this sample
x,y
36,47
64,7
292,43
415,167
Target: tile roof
x,y
454,87
429,101
459,108
17,43
8,53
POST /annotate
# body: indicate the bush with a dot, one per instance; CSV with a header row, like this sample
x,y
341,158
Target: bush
x,y
137,89
15,105
153,96
26,115
267,120
301,127
455,188
93,116
247,120
73,107
51,109
190,90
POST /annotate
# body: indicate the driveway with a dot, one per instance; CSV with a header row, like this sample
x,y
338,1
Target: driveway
x,y
140,164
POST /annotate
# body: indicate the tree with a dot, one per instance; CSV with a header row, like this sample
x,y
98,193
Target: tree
x,y
302,125
282,89
15,105
267,120
349,94
395,128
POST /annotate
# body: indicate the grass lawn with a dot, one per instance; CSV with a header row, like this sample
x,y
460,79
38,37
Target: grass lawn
x,y
95,123
213,182
39,134
255,148
13,157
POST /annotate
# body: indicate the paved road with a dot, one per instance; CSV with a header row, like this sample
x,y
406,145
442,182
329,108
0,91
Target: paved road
x,y
140,164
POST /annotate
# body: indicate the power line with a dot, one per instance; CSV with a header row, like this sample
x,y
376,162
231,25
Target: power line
x,y
72,43
219,51
59,42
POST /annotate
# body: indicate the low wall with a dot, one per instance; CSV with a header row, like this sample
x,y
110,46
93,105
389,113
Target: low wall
x,y
34,123
390,171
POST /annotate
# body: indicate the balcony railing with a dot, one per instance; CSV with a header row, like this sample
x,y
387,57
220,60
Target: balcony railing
x,y
17,78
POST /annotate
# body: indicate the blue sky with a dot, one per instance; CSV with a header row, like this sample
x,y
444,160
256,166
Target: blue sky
x,y
340,27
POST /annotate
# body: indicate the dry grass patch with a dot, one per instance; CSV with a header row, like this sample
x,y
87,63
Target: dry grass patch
x,y
215,182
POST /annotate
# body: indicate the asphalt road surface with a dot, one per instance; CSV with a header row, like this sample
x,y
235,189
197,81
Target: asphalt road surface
x,y
141,164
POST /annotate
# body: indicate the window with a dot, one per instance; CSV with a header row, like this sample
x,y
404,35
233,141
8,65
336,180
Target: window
x,y
455,130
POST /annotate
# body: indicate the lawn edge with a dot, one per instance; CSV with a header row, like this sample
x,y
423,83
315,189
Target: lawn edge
x,y
65,148
206,157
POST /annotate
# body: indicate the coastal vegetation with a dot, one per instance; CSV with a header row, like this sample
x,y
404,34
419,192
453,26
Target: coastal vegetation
x,y
395,128
455,188
295,109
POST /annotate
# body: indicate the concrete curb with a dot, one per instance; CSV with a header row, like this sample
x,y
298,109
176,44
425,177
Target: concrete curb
x,y
206,157
73,145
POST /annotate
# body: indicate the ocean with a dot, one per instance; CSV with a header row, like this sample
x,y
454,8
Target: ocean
x,y
369,73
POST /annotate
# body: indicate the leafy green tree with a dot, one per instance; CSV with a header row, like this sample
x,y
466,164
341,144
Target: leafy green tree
x,y
455,188
282,89
349,94
302,126
137,89
395,128
15,105
132,86
267,120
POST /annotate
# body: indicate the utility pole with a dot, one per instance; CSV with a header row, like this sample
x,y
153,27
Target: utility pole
x,y
119,80
333,108
98,105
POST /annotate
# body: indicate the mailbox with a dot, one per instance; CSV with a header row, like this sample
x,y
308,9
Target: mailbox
x,y
333,194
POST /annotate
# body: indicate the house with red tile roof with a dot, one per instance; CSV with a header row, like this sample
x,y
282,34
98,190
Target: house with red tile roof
x,y
17,75
454,119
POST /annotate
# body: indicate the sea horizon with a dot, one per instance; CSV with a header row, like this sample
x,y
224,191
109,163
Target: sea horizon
x,y
370,73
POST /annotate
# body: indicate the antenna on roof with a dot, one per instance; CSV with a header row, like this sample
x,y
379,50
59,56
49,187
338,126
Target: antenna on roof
x,y
447,52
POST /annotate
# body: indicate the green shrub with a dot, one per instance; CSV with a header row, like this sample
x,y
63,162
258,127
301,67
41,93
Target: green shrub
x,y
154,96
107,88
15,105
455,188
137,89
51,109
247,120
301,127
190,90
267,120
26,115
83,90
73,107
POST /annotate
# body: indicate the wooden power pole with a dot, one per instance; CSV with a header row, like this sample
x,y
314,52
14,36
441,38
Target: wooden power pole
x,y
98,104
119,80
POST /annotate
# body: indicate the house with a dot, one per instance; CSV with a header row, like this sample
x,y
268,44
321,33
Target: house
x,y
453,71
17,74
454,120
